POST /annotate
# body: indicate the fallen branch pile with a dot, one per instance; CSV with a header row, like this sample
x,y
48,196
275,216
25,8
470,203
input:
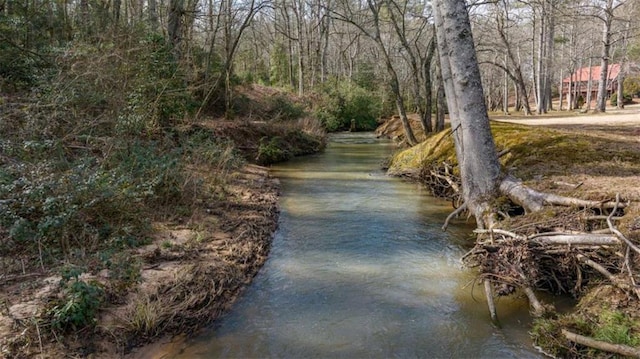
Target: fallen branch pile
x,y
560,251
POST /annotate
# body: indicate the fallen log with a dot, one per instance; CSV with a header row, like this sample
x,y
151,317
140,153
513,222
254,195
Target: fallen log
x,y
602,270
578,239
598,344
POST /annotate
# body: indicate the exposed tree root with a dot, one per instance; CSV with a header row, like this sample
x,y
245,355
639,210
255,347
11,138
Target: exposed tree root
x,y
560,252
533,201
453,214
488,292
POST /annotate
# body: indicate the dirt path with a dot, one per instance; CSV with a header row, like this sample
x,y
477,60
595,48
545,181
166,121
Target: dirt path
x,y
628,118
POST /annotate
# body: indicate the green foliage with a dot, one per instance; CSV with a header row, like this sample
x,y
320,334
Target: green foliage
x,y
627,99
272,150
293,142
546,334
365,76
124,272
86,203
632,85
203,148
279,71
281,108
343,102
158,97
20,32
606,325
79,305
615,327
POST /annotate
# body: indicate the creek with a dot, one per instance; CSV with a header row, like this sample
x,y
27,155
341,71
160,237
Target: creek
x,y
360,268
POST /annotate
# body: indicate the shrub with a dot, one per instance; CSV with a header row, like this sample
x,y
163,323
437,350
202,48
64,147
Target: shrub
x,y
87,203
627,99
282,108
272,150
346,102
79,305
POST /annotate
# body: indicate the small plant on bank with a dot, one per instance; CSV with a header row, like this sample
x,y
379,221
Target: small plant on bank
x,y
610,326
78,308
144,319
272,150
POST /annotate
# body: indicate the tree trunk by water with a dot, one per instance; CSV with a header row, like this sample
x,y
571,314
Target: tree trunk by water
x,y
475,149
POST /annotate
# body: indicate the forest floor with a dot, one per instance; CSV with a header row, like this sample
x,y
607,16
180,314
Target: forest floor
x,y
620,127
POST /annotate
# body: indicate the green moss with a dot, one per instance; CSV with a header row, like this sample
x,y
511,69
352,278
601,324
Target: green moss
x,y
608,325
437,148
615,327
532,151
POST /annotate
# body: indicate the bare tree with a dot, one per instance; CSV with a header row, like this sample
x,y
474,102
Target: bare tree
x,y
369,23
420,63
606,15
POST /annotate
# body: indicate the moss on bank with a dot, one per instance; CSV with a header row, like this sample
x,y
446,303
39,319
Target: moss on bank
x,y
533,152
592,164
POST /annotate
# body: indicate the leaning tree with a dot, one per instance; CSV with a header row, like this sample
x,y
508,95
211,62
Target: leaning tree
x,y
482,179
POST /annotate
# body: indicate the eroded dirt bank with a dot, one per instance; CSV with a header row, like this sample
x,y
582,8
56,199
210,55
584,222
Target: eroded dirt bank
x,y
191,272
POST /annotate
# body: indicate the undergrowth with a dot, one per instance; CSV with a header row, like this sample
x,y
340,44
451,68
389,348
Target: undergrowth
x,y
607,325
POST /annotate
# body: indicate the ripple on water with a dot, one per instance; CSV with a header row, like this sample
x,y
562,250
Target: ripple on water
x,y
360,268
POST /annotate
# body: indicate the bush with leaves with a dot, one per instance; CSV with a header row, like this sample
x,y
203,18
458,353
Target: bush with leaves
x,y
87,203
344,102
79,305
283,109
627,99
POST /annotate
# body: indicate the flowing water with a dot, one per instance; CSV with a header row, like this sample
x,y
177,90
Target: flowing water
x,y
360,268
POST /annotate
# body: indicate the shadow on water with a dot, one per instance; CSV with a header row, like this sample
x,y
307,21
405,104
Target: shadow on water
x,y
360,268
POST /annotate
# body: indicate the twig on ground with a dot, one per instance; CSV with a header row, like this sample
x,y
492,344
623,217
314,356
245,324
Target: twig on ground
x,y
601,345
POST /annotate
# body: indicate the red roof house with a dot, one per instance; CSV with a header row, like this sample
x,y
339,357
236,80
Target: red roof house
x,y
578,82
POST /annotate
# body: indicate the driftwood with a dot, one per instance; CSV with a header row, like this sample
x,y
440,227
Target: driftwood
x,y
453,214
578,239
559,254
558,238
488,292
600,345
533,201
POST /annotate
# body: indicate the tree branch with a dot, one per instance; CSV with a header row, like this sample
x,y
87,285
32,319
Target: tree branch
x,y
601,345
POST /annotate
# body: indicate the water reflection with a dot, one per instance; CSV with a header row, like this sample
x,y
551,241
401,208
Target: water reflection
x,y
360,268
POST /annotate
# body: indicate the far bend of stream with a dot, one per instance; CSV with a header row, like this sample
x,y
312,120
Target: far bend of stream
x,y
360,268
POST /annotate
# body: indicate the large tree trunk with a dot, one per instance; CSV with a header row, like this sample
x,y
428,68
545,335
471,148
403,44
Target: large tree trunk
x,y
475,149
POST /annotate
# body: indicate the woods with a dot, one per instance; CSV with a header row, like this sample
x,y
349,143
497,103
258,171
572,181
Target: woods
x,y
118,115
525,49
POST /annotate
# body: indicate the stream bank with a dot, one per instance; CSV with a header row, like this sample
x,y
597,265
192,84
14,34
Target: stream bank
x,y
592,158
191,266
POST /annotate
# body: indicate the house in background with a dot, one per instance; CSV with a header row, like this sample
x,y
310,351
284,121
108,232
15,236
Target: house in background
x,y
579,85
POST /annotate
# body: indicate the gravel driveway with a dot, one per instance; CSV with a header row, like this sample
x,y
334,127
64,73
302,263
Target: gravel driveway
x,y
628,117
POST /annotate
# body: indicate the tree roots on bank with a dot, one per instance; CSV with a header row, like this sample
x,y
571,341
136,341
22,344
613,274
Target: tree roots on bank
x,y
562,245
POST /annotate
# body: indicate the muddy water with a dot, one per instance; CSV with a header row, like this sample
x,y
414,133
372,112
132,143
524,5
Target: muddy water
x,y
360,268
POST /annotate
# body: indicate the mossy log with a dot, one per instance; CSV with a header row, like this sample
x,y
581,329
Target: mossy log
x,y
601,345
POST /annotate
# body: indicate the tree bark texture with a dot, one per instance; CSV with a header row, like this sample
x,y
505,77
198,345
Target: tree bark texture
x,y
475,148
